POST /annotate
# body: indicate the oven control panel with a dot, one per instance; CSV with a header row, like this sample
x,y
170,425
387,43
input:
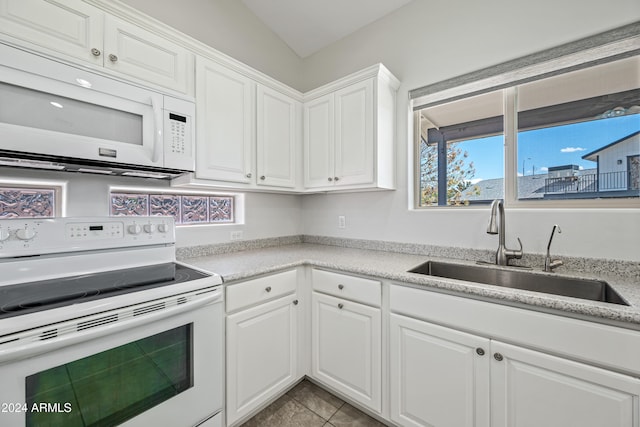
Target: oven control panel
x,y
23,236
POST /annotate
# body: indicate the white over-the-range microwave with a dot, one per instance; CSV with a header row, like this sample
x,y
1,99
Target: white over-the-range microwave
x,y
57,116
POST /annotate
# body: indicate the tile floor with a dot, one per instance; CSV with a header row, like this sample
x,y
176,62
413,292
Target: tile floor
x,y
307,405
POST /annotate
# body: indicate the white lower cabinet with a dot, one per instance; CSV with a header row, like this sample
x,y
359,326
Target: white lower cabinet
x,y
346,348
443,377
530,388
438,376
262,349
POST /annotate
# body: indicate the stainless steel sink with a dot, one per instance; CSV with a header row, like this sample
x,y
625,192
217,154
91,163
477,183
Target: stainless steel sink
x,y
594,290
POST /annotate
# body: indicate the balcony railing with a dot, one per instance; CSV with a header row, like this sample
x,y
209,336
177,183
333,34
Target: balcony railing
x,y
610,181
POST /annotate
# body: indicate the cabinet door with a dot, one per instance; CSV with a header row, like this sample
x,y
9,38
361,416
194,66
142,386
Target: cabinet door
x,y
531,389
319,142
346,348
224,112
261,355
131,50
71,27
354,134
438,376
276,136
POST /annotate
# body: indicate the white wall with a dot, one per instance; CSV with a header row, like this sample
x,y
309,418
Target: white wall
x,y
428,41
230,27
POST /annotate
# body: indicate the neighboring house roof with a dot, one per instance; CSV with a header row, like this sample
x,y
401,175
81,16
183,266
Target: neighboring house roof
x,y
529,187
593,155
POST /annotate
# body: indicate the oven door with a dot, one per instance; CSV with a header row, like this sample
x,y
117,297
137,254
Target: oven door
x,y
153,364
73,113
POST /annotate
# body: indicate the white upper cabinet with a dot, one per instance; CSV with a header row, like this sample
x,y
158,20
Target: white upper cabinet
x,y
247,133
131,50
318,142
277,133
349,132
83,32
224,112
71,27
354,135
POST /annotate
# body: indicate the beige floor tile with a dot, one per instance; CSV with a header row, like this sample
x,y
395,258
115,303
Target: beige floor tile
x,y
348,416
286,413
316,399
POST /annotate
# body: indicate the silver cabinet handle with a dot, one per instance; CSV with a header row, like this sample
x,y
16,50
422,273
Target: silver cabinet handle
x,y
340,306
248,175
295,302
96,52
263,177
341,287
480,351
113,58
336,178
268,289
330,179
498,357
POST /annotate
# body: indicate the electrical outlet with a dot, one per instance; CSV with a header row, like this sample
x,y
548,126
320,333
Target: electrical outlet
x,y
236,235
342,222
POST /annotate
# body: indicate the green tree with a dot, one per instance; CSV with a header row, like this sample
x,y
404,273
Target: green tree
x,y
459,175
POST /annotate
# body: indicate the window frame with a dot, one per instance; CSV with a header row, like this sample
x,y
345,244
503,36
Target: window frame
x,y
620,43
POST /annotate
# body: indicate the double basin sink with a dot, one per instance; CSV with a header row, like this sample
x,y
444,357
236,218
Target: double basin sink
x,y
594,290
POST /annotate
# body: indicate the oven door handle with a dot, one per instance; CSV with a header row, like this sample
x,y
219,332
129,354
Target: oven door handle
x,y
35,347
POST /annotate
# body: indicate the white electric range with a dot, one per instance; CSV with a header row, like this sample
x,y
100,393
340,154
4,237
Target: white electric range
x,y
100,326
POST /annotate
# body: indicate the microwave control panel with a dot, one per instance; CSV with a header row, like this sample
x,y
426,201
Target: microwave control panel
x,y
179,134
177,129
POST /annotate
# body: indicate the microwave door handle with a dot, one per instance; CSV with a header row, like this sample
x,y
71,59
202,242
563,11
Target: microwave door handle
x,y
157,130
40,347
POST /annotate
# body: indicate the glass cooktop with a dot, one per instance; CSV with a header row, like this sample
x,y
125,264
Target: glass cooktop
x,y
24,298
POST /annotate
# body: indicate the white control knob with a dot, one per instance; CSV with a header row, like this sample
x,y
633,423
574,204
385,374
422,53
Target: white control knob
x,y
149,228
134,229
4,234
163,228
25,234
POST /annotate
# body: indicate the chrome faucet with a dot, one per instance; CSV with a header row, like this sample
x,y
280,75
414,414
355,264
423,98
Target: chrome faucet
x,y
503,255
549,265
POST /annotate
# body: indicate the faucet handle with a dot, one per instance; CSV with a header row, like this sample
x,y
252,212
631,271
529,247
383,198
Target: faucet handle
x,y
514,253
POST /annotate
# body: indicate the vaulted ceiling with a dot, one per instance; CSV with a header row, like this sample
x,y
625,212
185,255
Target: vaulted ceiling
x,y
310,25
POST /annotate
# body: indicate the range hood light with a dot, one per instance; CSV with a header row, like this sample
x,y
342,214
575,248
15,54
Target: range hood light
x,y
7,161
146,175
56,104
98,171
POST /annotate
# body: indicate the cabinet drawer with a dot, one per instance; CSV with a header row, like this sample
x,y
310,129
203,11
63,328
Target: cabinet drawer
x,y
262,289
366,291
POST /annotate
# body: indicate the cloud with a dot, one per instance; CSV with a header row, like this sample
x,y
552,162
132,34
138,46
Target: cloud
x,y
572,149
544,169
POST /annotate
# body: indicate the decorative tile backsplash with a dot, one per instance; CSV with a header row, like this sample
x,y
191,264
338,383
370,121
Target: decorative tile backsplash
x,y
185,209
27,202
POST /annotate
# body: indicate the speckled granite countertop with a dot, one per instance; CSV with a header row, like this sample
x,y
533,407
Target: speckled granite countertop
x,y
393,266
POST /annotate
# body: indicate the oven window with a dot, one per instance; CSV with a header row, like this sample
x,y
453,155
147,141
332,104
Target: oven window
x,y
108,388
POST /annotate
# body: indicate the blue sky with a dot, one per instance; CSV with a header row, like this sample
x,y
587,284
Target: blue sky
x,y
554,146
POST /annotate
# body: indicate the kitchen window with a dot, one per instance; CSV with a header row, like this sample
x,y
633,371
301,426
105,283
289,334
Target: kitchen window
x,y
564,131
461,151
30,199
186,209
